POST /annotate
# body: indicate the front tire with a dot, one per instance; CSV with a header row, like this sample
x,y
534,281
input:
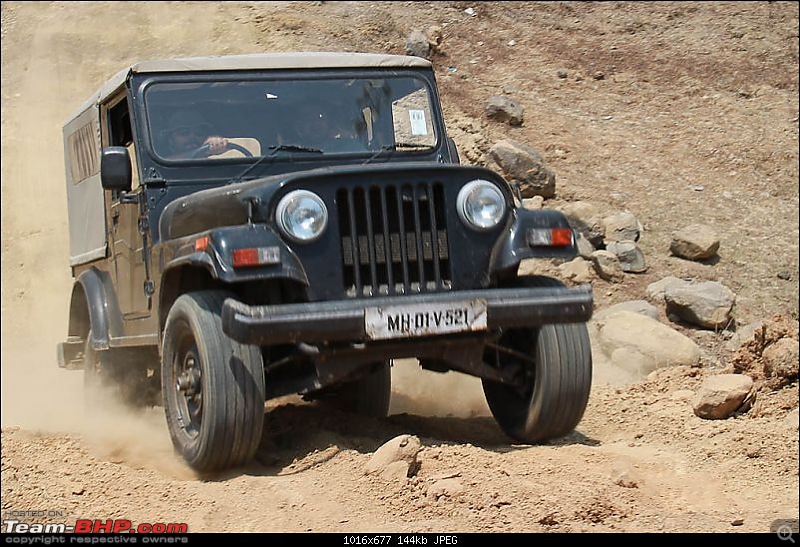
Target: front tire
x,y
213,386
557,378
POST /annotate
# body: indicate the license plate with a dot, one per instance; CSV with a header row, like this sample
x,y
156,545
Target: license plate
x,y
425,319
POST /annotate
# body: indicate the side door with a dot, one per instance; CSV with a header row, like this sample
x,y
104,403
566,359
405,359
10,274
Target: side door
x,y
127,221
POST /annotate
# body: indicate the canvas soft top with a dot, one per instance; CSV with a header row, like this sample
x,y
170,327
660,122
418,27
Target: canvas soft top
x,y
255,61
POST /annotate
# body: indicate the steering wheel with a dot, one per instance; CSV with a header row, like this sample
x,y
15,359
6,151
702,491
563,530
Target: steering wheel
x,y
203,150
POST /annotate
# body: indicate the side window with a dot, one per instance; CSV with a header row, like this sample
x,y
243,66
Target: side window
x,y
121,134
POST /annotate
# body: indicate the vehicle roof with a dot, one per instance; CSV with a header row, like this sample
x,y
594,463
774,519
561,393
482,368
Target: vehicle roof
x,y
254,61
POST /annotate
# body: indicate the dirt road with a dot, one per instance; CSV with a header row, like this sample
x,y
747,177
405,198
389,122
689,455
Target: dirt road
x,y
674,111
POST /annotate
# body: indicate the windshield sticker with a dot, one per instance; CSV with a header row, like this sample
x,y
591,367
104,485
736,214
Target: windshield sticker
x,y
417,118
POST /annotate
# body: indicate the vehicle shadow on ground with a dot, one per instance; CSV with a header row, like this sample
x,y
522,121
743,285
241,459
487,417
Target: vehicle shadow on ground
x,y
299,437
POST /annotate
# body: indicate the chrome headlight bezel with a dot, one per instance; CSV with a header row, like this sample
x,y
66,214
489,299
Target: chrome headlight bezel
x,y
462,201
293,199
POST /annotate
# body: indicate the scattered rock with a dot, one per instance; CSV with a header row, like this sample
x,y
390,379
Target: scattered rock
x,y
786,276
534,203
537,266
504,109
708,304
522,164
639,345
403,448
585,248
744,334
792,420
781,360
621,475
599,75
562,74
577,270
445,487
753,452
636,306
631,258
607,266
695,242
417,45
655,291
585,218
622,227
435,37
721,395
550,519
737,522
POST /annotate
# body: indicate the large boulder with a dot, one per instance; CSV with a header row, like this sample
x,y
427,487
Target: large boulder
x,y
638,344
655,291
708,304
636,306
522,164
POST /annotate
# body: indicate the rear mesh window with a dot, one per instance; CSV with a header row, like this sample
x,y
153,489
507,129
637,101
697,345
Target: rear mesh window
x,y
83,153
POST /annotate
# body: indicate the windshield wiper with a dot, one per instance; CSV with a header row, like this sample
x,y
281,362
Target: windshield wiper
x,y
274,150
394,147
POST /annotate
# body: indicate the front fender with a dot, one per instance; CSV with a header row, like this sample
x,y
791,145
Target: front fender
x,y
213,251
512,247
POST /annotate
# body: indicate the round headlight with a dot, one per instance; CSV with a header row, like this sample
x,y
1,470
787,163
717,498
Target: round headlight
x,y
481,205
302,216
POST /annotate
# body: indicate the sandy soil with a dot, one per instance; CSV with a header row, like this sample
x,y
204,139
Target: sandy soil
x,y
695,118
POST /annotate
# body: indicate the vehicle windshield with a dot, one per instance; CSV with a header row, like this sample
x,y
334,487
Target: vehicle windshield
x,y
219,120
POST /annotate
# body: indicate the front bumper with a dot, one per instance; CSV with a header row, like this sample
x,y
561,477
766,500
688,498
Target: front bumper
x,y
315,322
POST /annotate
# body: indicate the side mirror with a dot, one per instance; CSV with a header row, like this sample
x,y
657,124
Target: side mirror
x,y
451,148
115,169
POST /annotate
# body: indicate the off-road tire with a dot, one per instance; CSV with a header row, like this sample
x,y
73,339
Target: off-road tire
x,y
557,385
222,427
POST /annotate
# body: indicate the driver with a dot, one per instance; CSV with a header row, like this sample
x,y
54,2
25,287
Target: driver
x,y
187,135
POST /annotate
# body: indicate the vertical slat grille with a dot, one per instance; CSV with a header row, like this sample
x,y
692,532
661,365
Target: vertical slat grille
x,y
394,239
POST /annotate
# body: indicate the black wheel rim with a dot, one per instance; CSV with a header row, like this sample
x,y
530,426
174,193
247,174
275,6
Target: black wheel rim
x,y
187,382
516,349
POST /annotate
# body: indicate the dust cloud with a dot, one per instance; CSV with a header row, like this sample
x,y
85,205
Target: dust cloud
x,y
426,393
38,396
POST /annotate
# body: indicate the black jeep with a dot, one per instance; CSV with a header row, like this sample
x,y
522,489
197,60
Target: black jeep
x,y
248,227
